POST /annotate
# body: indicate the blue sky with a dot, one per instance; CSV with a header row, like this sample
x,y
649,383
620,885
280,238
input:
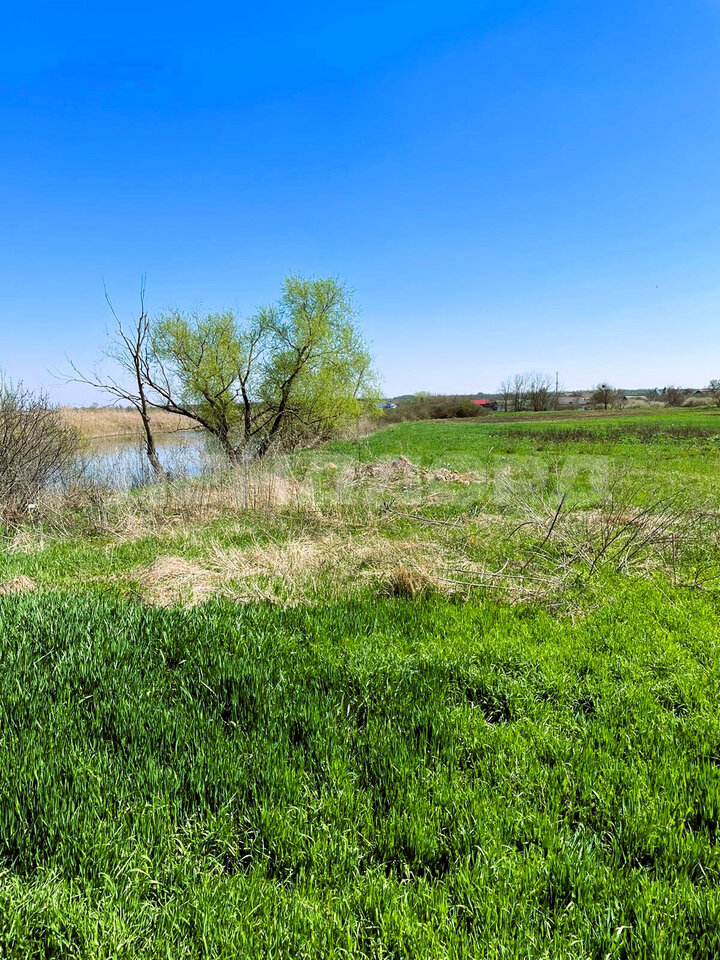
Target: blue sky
x,y
505,185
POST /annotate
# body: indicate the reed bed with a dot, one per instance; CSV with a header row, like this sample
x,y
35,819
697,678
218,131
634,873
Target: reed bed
x,y
97,422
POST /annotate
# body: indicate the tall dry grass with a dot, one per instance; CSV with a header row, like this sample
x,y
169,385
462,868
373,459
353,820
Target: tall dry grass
x,y
91,507
96,422
312,566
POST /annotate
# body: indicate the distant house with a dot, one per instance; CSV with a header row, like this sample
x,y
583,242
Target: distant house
x,y
490,404
572,401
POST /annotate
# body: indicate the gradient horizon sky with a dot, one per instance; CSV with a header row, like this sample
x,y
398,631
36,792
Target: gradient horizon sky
x,y
505,185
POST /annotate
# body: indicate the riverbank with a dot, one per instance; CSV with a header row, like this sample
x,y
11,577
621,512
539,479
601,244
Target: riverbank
x,y
94,423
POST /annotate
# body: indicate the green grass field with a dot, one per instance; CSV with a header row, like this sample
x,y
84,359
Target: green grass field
x,y
462,704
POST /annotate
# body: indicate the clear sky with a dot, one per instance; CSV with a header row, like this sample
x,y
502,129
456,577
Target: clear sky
x,y
505,185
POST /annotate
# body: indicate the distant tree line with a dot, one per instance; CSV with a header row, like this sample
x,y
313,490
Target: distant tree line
x,y
536,391
607,397
527,391
427,406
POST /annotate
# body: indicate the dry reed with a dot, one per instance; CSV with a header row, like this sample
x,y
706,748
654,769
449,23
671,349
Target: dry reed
x,y
96,422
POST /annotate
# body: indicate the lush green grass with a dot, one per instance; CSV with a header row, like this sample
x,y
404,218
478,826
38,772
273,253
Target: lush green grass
x,y
365,776
674,450
469,444
397,779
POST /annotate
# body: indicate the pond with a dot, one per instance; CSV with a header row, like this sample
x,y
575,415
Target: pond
x,y
122,462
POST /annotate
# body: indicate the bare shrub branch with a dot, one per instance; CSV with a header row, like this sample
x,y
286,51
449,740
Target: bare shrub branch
x,y
37,448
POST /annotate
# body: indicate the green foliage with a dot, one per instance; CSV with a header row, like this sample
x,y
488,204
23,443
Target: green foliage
x,y
426,406
319,367
297,371
204,355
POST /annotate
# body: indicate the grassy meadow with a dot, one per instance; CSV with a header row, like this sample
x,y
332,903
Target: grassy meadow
x,y
447,690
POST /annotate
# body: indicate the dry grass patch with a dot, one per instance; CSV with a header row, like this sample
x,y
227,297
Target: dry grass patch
x,y
173,580
403,470
155,510
410,581
17,585
257,489
296,571
26,540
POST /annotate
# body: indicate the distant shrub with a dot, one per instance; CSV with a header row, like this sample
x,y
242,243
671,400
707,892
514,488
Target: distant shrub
x,y
427,407
674,396
605,397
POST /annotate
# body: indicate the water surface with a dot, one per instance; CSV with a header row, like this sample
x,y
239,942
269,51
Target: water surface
x,y
122,462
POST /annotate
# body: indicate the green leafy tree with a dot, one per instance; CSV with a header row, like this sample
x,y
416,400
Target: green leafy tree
x,y
296,371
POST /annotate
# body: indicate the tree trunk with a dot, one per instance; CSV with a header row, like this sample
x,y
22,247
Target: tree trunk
x,y
142,407
223,438
151,449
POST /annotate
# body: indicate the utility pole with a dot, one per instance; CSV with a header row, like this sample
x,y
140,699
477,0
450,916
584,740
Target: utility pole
x,y
556,389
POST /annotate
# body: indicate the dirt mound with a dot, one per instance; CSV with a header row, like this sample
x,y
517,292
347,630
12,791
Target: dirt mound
x,y
388,470
399,469
443,475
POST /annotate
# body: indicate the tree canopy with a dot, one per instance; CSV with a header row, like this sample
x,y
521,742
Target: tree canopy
x,y
295,371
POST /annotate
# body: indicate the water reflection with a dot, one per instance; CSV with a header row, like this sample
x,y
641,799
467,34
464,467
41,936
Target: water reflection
x,y
121,462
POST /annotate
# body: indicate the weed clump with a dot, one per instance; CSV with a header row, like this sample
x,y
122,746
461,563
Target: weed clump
x,y
408,582
19,584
